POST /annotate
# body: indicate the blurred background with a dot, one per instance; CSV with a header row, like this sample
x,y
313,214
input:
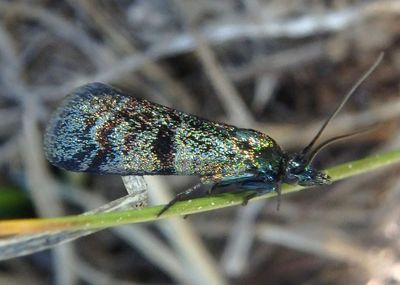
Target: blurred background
x,y
278,66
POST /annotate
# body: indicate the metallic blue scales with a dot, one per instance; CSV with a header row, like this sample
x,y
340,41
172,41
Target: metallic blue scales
x,y
99,129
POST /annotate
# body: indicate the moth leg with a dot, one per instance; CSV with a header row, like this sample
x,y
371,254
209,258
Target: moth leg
x,y
279,196
183,196
212,188
258,187
220,182
248,197
190,193
215,179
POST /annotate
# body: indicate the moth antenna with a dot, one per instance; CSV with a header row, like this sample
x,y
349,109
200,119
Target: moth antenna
x,y
345,99
314,153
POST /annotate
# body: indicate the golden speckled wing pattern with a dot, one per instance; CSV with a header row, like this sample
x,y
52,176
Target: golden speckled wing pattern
x,y
99,129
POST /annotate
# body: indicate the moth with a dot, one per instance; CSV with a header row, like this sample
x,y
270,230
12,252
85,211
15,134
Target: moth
x,y
99,129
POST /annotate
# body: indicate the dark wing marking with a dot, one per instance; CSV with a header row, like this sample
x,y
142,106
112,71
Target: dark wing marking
x,y
101,130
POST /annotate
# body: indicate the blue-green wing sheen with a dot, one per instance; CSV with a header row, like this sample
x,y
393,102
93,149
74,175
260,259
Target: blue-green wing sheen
x,y
99,129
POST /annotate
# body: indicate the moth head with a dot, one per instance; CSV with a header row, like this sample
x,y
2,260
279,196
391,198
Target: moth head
x,y
298,171
298,168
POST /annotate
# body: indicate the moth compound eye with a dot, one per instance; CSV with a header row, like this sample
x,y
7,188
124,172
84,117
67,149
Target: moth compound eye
x,y
295,166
